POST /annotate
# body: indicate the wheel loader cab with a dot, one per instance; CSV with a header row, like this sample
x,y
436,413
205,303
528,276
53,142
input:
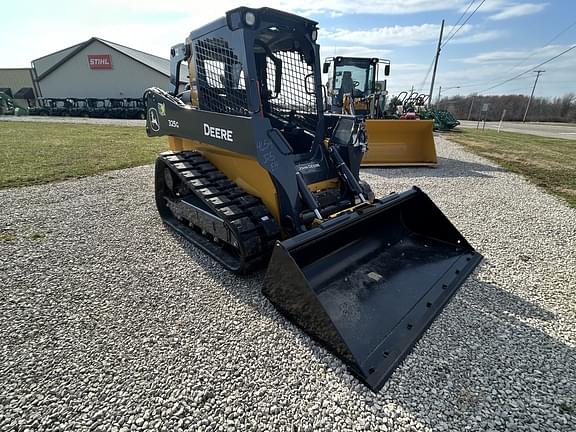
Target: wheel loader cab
x,y
351,75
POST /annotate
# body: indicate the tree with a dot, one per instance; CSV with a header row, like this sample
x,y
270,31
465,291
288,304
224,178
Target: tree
x,y
558,109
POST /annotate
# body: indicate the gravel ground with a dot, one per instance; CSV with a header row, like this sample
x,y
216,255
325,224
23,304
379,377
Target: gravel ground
x,y
110,322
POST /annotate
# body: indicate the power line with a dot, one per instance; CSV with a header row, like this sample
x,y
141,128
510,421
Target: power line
x,y
462,25
423,83
460,19
530,70
481,83
451,35
543,46
561,33
522,61
526,89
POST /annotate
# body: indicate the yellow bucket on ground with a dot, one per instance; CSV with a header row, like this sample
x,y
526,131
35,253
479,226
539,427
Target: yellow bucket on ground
x,y
400,143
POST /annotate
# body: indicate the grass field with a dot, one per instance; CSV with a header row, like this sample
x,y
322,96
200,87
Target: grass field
x,y
33,153
547,162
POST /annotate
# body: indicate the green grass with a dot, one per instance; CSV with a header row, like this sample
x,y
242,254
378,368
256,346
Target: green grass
x,y
34,153
37,236
547,162
6,236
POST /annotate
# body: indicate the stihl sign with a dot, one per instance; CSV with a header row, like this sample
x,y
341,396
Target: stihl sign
x,y
100,61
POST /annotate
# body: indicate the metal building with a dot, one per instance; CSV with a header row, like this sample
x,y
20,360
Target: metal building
x,y
17,83
100,69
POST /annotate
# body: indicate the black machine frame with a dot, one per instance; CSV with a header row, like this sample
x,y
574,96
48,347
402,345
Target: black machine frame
x,y
262,129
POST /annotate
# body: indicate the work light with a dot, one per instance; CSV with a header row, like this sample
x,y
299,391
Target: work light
x,y
250,18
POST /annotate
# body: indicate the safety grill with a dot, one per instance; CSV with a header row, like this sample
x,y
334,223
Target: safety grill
x,y
296,81
220,78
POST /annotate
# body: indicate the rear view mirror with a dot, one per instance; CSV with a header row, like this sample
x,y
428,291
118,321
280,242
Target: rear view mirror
x,y
326,67
309,84
387,70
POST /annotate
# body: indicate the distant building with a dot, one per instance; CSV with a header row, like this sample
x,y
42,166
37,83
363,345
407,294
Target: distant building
x,y
100,69
18,84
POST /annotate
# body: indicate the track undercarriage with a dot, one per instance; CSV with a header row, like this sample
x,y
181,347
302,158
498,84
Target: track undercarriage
x,y
209,210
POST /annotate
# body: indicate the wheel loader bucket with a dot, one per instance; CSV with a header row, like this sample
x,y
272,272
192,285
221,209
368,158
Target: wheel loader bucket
x,y
368,283
400,143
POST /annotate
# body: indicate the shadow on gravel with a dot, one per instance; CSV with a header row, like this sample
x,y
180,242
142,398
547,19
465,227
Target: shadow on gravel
x,y
485,357
446,168
487,354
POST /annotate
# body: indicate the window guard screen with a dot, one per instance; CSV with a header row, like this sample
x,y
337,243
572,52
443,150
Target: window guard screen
x,y
220,78
293,99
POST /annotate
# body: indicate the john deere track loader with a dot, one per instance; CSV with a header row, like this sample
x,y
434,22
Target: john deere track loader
x,y
258,174
352,89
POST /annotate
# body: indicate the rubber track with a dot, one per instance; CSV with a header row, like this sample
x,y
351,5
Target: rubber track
x,y
243,214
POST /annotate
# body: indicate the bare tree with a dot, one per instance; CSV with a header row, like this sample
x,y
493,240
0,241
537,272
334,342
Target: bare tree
x,y
558,109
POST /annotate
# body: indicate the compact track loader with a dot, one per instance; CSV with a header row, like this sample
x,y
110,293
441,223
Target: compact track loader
x,y
258,173
392,142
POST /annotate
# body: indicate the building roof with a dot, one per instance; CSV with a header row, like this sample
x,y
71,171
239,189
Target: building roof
x,y
45,64
24,93
152,61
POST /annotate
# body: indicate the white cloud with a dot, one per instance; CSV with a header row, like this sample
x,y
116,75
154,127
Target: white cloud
x,y
487,6
506,56
153,26
327,50
517,10
131,35
216,8
410,67
409,35
482,36
503,65
393,35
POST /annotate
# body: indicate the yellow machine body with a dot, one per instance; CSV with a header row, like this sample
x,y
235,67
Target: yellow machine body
x,y
246,172
400,143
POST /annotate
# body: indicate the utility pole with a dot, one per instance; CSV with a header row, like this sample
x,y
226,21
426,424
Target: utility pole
x,y
471,105
440,93
538,72
436,62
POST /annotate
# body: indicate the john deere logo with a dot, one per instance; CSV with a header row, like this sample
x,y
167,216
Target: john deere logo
x,y
153,119
162,109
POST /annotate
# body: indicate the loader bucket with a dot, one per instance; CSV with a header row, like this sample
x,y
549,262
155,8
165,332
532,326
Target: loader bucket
x,y
368,283
400,143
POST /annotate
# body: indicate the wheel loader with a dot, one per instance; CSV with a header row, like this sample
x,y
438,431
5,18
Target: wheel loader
x,y
258,174
352,88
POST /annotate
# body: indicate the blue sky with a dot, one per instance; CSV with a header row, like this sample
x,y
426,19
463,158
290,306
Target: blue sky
x,y
502,39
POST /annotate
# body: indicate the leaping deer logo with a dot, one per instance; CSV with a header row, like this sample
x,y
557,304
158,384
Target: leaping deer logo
x,y
153,119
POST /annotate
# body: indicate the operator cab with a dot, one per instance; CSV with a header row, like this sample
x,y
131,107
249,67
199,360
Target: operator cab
x,y
285,61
